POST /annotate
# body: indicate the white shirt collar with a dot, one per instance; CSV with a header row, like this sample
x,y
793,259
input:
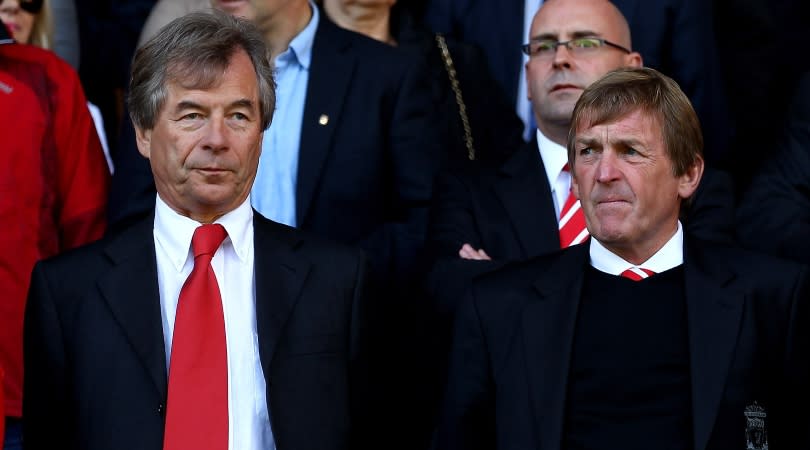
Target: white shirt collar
x,y
554,156
669,256
174,231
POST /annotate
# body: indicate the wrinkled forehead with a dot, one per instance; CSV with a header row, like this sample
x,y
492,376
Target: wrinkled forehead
x,y
595,115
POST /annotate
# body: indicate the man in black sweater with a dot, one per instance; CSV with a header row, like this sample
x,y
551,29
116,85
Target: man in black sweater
x,y
643,337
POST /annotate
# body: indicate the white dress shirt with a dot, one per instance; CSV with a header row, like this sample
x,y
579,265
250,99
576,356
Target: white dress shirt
x,y
248,416
555,157
667,257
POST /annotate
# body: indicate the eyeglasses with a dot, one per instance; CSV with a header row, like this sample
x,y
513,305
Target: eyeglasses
x,y
545,48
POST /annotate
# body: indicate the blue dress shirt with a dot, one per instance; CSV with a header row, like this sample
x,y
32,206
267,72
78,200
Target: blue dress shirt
x,y
273,193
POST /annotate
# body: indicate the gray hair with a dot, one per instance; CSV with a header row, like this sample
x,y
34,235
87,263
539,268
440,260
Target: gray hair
x,y
196,48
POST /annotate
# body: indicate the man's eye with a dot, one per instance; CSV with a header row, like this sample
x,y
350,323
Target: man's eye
x,y
586,151
192,116
544,46
239,116
586,43
631,151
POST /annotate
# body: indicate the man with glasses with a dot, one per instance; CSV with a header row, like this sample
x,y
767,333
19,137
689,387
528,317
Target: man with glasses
x,y
524,208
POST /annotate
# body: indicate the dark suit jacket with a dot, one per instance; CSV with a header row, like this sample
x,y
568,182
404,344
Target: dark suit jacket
x,y
95,364
774,214
366,176
509,213
748,341
675,37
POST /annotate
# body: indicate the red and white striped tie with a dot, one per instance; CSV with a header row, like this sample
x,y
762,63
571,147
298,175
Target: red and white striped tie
x,y
637,273
572,221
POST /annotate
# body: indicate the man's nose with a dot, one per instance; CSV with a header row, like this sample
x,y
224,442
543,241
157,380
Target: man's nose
x,y
607,170
562,56
216,135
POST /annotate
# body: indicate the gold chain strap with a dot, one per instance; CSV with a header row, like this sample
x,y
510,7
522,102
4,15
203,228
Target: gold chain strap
x,y
462,108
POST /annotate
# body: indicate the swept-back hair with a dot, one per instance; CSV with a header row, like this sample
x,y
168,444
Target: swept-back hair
x,y
195,49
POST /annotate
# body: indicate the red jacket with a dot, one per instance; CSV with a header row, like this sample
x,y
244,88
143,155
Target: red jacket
x,y
53,184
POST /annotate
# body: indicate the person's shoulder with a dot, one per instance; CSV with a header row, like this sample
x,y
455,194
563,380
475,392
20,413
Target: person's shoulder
x,y
383,58
86,258
312,247
747,266
34,55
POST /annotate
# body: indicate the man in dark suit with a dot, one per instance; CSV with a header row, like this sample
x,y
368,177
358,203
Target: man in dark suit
x,y
155,337
353,151
644,337
514,211
676,37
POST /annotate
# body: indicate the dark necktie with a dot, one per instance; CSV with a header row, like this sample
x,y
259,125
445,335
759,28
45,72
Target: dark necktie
x,y
197,404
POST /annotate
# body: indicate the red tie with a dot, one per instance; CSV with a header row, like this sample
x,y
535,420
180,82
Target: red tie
x,y
637,273
197,406
572,221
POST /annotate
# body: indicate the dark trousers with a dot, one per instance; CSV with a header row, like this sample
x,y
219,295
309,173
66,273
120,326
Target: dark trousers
x,y
13,439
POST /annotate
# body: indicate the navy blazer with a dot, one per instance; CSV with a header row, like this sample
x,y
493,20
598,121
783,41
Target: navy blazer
x,y
675,37
95,362
365,176
747,338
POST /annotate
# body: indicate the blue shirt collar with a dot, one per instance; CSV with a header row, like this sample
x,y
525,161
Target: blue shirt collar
x,y
301,46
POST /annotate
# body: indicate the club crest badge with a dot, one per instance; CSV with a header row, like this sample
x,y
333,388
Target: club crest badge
x,y
756,435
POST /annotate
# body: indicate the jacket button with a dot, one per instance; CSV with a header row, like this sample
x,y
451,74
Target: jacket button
x,y
160,409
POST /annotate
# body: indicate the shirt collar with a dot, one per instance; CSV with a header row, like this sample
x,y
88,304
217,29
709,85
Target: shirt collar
x,y
667,257
554,156
300,49
174,231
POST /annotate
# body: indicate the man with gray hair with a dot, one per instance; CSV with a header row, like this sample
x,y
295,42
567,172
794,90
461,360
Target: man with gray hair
x,y
205,326
642,337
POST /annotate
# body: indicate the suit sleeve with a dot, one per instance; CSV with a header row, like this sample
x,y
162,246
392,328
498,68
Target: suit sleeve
x,y
82,174
774,214
467,420
790,418
452,222
47,422
361,392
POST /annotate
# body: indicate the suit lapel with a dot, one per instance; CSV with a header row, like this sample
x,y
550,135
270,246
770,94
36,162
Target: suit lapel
x,y
526,196
329,79
548,332
279,277
713,313
130,289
